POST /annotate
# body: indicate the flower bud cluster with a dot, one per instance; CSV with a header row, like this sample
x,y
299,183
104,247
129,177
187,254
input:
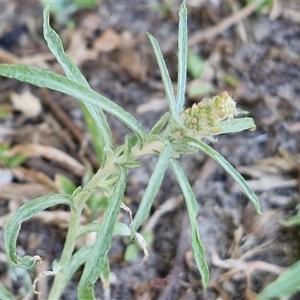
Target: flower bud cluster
x,y
203,118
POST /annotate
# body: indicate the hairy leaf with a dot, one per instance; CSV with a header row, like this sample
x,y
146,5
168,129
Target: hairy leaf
x,y
182,57
98,255
5,294
62,84
152,187
165,75
229,169
95,119
24,213
192,206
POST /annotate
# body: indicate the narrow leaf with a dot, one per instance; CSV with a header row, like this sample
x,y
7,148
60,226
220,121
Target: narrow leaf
x,y
182,57
120,229
229,169
127,149
95,119
105,272
236,125
25,212
64,85
78,259
5,294
165,75
195,67
160,124
98,255
192,207
56,47
152,187
285,285
292,221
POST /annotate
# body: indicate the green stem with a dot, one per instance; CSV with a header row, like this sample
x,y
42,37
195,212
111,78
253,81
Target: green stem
x,y
59,281
79,201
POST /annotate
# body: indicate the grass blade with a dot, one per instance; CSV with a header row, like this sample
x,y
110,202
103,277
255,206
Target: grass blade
x,y
64,85
97,259
192,207
152,188
164,75
182,57
285,285
229,169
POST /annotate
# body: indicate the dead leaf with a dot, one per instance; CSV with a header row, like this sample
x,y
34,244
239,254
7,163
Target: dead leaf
x,y
294,128
8,57
273,172
56,217
29,175
33,150
157,105
28,104
6,176
131,60
108,41
78,50
89,23
24,191
270,182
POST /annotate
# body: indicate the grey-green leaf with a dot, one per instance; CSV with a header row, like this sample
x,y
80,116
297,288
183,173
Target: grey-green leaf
x,y
229,169
182,57
285,285
192,206
98,255
62,84
91,115
152,187
156,129
56,47
164,75
120,229
5,294
25,212
237,125
78,259
292,221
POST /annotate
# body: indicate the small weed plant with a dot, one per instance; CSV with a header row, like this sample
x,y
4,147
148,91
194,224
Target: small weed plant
x,y
180,131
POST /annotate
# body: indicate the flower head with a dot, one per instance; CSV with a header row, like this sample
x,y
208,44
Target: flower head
x,y
203,119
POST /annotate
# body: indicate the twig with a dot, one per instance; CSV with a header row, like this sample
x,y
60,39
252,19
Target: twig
x,y
246,267
51,153
215,30
67,122
168,206
177,269
292,15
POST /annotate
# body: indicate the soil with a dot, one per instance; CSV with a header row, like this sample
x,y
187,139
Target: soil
x,y
256,60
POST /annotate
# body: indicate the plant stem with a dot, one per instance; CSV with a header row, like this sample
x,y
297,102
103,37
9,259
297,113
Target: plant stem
x,y
79,201
59,281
